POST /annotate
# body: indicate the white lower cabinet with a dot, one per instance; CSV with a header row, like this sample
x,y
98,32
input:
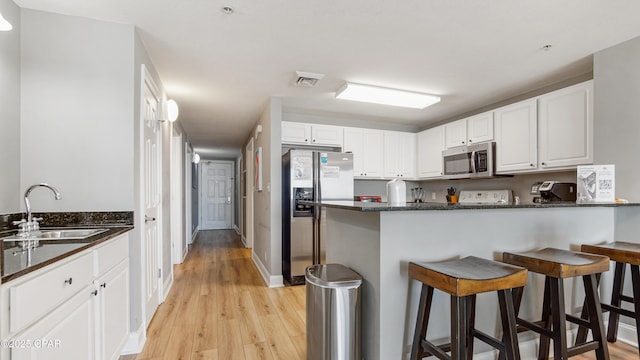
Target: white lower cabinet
x,y
113,312
66,333
81,303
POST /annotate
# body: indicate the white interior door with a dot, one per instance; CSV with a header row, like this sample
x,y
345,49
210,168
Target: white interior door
x,y
151,248
188,186
249,195
217,195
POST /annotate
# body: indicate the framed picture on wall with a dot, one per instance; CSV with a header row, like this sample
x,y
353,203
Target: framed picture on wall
x,y
258,168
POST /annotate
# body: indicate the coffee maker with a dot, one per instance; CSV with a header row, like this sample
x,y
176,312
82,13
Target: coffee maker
x,y
556,191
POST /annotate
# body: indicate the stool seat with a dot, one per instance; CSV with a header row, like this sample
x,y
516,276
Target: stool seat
x,y
558,263
620,251
468,276
462,279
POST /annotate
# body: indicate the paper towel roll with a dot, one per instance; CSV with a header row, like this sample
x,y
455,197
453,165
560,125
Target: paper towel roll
x,y
396,192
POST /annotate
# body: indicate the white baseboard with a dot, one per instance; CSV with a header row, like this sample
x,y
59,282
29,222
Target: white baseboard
x,y
195,233
136,341
236,228
272,281
166,287
244,241
627,334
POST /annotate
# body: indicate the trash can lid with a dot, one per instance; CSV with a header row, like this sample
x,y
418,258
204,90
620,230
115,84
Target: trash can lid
x,y
333,276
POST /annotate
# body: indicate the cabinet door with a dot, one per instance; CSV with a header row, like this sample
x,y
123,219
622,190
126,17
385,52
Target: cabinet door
x,y
296,133
326,135
565,127
456,133
516,137
407,155
66,333
390,148
353,142
480,128
372,153
430,146
113,311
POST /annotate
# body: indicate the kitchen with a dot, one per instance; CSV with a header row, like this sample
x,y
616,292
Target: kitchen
x,y
613,142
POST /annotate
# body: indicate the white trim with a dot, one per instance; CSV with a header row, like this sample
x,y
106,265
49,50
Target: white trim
x,y
166,286
195,234
244,241
272,281
236,228
627,334
136,341
201,196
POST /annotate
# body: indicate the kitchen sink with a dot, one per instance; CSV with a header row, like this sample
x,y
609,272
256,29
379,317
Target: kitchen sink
x,y
59,234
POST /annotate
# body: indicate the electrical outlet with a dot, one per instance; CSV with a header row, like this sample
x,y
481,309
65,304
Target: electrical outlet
x,y
433,196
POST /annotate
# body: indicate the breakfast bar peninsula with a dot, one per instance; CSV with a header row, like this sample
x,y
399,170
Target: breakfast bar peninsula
x,y
378,241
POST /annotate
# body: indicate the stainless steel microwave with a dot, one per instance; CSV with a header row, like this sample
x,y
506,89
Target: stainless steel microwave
x,y
472,161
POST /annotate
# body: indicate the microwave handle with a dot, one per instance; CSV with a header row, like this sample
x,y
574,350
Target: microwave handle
x,y
473,162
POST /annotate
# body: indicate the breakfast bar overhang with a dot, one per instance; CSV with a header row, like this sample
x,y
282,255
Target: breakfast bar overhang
x,y
378,241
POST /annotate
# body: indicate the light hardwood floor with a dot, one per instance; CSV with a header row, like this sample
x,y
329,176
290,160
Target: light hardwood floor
x,y
219,308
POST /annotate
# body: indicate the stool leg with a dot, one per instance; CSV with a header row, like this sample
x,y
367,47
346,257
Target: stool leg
x,y
581,337
595,316
471,313
459,322
559,320
616,299
509,333
635,279
543,349
424,308
516,300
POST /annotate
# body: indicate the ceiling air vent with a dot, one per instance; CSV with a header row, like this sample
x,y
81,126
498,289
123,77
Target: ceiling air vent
x,y
306,79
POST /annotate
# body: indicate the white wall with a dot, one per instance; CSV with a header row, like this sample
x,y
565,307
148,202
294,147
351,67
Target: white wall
x,y
616,73
77,106
10,190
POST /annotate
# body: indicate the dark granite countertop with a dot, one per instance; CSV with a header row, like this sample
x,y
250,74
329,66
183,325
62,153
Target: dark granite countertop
x,y
15,262
378,207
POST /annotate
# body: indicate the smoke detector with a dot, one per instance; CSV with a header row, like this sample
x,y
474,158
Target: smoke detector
x,y
306,79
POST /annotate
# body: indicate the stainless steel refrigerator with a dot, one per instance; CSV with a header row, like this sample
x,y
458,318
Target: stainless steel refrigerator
x,y
309,175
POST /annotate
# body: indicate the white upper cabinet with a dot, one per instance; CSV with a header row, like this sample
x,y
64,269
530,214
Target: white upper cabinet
x,y
480,128
311,134
456,133
399,154
565,127
366,146
516,137
326,135
296,133
471,130
430,146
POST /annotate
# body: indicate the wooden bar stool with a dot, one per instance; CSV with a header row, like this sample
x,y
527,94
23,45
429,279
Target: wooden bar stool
x,y
463,279
557,265
622,253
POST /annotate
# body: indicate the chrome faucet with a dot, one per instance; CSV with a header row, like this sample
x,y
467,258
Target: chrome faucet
x,y
31,224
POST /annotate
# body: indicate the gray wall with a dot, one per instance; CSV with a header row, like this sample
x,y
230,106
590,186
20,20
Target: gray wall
x,y
77,111
267,246
616,73
10,193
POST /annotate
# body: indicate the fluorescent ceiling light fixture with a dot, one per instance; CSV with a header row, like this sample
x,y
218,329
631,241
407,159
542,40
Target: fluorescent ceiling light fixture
x,y
4,24
385,96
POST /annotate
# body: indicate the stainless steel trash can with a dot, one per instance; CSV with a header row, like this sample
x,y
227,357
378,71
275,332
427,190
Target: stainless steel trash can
x,y
333,313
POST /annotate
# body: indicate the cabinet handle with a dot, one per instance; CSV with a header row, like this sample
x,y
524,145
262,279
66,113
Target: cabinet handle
x,y
314,140
531,165
69,281
306,140
470,140
95,292
103,285
543,164
463,142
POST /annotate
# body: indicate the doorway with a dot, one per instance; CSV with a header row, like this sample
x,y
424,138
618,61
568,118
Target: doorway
x,y
217,195
249,181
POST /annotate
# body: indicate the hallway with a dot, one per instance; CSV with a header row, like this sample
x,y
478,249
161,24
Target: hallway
x,y
219,308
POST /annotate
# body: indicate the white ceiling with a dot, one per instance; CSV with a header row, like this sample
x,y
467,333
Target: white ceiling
x,y
221,69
